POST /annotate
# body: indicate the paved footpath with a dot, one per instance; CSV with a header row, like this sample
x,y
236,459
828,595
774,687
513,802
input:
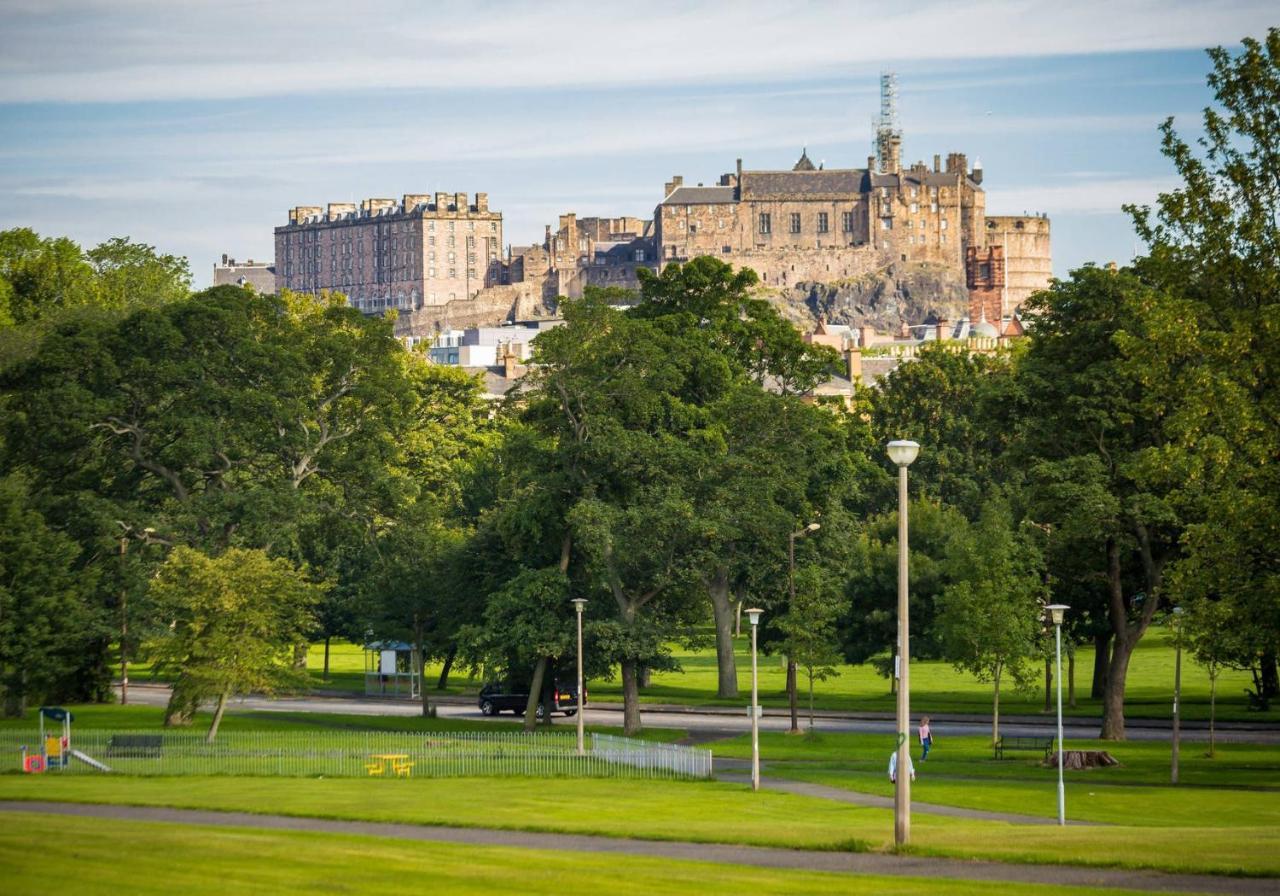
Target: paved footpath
x,y
839,795
937,870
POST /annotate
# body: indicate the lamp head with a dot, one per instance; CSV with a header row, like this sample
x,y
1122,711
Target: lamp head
x,y
902,452
1057,612
754,616
814,527
579,603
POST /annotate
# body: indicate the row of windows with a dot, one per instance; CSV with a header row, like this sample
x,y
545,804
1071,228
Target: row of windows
x,y
797,223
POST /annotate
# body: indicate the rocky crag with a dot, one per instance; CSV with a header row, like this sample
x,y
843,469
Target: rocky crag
x,y
884,299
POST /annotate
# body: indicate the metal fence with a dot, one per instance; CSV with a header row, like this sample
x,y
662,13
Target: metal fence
x,y
368,754
654,760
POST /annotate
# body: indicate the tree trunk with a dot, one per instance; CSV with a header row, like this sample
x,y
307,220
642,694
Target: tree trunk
x,y
15,696
1270,678
644,676
1213,707
1048,685
995,704
1113,699
722,610
325,675
630,699
217,716
535,695
791,696
1101,660
447,667
181,708
1071,679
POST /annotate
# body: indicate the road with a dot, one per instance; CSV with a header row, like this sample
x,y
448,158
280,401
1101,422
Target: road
x,y
710,721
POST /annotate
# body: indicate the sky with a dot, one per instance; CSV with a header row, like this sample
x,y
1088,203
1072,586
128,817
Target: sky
x,y
194,126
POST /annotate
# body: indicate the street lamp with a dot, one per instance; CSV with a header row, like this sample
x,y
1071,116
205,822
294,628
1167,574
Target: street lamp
x,y
579,603
1177,691
1056,613
754,616
791,584
902,453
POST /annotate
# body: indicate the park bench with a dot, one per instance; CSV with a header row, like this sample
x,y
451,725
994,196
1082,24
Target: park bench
x,y
135,746
1006,742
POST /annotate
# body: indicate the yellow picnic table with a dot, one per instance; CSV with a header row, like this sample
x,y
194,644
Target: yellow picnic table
x,y
397,762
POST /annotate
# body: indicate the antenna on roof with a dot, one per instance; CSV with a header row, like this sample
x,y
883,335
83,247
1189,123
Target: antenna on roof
x,y
888,131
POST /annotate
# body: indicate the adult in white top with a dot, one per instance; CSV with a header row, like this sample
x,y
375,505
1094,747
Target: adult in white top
x,y
893,767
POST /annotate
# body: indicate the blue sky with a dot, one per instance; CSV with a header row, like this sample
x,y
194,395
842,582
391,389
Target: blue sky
x,y
194,126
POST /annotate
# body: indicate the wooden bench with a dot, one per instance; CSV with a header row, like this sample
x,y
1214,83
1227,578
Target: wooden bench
x,y
1006,742
135,746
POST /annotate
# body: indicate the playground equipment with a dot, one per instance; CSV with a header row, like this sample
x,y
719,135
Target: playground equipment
x,y
55,749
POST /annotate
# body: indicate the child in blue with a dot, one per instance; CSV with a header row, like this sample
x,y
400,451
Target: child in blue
x,y
926,738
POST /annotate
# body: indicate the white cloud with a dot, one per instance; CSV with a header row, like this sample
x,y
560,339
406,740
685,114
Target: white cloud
x,y
1087,197
98,51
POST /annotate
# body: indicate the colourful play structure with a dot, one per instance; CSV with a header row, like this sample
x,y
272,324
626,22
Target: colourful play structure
x,y
55,748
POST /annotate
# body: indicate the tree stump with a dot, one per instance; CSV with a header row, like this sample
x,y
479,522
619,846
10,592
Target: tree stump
x,y
1082,759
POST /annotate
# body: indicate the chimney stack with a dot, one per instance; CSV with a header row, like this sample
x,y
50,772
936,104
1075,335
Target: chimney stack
x,y
854,359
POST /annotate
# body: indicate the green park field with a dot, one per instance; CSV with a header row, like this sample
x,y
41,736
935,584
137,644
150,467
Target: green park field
x,y
935,686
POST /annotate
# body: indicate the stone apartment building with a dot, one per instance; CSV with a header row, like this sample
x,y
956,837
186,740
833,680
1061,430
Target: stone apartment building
x,y
423,250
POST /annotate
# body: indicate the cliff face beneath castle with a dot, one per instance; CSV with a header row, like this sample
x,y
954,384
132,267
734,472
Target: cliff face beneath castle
x,y
883,299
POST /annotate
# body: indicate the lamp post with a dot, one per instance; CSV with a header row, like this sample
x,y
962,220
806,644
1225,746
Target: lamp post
x,y
579,603
902,453
1177,692
754,616
1056,612
791,586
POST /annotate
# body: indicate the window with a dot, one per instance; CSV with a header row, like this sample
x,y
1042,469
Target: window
x,y
795,222
471,241
942,239
943,224
846,221
933,206
471,225
639,255
909,223
886,223
431,226
493,226
453,272
471,272
822,222
764,223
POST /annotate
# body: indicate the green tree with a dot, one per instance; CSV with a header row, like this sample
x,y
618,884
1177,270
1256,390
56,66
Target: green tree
x,y
809,625
989,616
44,616
134,275
232,623
43,276
1215,251
1092,424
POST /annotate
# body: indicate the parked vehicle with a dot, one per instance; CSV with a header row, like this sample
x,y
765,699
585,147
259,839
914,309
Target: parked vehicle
x,y
558,696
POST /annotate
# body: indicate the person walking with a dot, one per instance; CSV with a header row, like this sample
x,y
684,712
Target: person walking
x,y
893,767
926,738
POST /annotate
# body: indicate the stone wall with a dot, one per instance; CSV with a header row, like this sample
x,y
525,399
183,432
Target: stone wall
x,y
492,306
1027,254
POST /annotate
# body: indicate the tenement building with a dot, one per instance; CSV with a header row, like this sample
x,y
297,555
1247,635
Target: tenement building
x,y
422,250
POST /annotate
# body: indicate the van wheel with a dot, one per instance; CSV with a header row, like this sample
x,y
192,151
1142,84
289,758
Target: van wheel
x,y
570,713
487,708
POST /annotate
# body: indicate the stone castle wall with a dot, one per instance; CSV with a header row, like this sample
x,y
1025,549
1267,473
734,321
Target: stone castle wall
x,y
1027,254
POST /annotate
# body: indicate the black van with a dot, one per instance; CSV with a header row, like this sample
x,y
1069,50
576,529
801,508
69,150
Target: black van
x,y
558,696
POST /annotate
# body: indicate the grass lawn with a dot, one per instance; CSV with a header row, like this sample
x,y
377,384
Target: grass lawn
x,y
141,718
962,772
937,687
700,812
83,856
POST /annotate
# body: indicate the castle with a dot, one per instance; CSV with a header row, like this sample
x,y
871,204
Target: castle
x,y
438,261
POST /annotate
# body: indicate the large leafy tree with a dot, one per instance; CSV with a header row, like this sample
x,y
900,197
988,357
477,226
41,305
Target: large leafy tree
x,y
1092,425
1215,251
231,624
45,617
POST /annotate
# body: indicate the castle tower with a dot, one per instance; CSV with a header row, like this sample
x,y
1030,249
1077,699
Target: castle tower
x,y
888,133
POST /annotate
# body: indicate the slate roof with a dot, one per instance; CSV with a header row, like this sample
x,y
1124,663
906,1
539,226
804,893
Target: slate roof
x,y
699,196
832,182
